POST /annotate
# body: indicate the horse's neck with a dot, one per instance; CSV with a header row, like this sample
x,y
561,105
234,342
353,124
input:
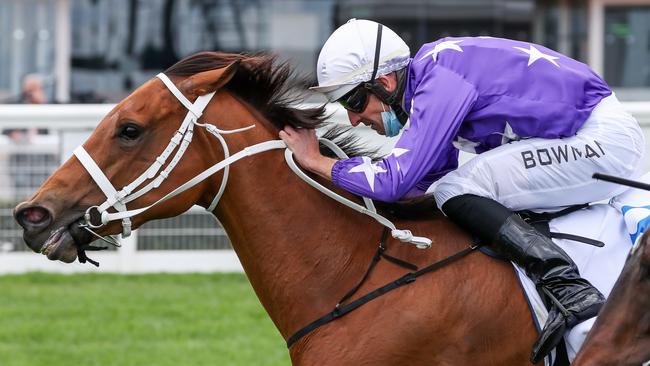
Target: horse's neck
x,y
293,243
296,246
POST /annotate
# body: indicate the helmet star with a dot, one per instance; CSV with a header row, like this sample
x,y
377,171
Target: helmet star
x,y
535,54
446,45
369,169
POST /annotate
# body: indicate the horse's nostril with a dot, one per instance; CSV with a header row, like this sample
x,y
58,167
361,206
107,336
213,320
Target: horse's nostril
x,y
34,217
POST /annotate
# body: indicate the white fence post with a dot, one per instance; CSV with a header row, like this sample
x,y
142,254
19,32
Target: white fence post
x,y
127,253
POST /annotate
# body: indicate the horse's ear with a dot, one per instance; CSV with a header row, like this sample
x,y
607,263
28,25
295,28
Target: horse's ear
x,y
209,81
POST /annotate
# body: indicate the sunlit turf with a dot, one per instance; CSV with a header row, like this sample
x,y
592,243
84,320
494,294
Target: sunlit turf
x,y
122,320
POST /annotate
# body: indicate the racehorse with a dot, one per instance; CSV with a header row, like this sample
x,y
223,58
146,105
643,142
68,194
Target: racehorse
x,y
621,334
300,250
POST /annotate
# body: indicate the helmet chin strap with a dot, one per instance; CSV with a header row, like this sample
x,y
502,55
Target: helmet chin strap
x,y
394,99
391,99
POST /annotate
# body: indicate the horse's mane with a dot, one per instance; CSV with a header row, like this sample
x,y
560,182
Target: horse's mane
x,y
275,90
272,87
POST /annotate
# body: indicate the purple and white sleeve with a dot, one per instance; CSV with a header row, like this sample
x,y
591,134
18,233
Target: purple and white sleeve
x,y
440,103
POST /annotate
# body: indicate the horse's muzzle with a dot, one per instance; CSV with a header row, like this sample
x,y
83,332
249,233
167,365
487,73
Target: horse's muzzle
x,y
56,238
35,220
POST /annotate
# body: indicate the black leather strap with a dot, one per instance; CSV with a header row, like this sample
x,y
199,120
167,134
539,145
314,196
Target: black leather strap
x,y
578,238
341,310
532,217
375,65
376,258
541,220
389,98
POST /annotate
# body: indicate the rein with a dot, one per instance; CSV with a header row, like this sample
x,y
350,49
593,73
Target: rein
x,y
181,139
403,235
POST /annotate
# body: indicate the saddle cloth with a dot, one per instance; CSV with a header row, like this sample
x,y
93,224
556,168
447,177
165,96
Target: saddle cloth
x,y
619,224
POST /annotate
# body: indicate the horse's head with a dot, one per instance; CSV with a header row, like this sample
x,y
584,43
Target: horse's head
x,y
125,145
141,150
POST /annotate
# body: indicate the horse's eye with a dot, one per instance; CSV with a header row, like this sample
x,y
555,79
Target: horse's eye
x,y
130,132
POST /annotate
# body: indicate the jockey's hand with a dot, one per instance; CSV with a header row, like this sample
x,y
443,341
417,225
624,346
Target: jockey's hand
x,y
304,144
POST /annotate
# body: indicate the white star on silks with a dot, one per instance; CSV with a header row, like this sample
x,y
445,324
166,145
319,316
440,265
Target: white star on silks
x,y
508,134
397,152
464,144
535,54
369,169
446,45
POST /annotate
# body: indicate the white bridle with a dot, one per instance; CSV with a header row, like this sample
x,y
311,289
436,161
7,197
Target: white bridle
x,y
181,139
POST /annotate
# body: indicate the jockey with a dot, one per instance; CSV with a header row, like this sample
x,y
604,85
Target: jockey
x,y
540,122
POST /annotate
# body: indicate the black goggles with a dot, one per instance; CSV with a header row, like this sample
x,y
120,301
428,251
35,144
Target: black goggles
x,y
356,100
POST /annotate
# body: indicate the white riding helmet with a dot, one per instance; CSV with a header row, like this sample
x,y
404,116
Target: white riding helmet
x,y
347,57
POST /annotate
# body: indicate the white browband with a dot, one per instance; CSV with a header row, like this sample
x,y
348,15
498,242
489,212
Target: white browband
x,y
181,139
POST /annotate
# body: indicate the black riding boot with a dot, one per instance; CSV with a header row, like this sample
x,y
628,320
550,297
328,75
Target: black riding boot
x,y
574,298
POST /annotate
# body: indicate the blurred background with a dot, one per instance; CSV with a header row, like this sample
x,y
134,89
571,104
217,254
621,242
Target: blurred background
x,y
90,51
64,63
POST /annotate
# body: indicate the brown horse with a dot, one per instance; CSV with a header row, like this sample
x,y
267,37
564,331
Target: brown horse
x,y
621,334
300,250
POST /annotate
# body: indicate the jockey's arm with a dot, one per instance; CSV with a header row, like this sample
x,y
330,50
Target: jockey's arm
x,y
440,104
424,151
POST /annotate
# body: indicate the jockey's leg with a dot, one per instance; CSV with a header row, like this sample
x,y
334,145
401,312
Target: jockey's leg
x,y
544,174
542,260
547,174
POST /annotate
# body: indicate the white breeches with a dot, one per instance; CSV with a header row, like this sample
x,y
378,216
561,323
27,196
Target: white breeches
x,y
548,174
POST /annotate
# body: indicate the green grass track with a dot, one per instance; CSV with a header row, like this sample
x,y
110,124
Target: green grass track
x,y
123,320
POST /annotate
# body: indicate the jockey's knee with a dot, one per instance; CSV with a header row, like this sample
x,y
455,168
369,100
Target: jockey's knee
x,y
481,216
456,186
